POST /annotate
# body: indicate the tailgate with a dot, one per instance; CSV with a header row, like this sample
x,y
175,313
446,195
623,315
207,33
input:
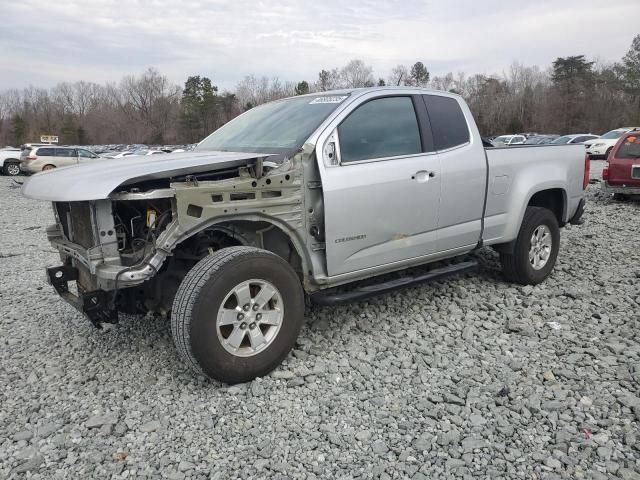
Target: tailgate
x,y
624,171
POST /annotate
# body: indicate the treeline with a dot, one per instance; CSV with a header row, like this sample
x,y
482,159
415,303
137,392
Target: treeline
x,y
574,95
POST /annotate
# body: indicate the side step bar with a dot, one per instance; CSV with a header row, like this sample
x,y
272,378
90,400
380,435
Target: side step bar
x,y
331,297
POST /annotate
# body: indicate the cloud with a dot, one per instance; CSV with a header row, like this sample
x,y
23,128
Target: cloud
x,y
46,42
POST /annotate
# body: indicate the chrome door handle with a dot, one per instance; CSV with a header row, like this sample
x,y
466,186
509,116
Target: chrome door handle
x,y
423,176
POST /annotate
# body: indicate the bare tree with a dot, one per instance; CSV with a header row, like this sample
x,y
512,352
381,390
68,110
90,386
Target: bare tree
x,y
399,76
356,74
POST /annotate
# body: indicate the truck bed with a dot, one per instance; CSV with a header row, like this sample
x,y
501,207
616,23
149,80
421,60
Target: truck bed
x,y
513,174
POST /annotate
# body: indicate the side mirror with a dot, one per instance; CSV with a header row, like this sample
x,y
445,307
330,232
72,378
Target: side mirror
x,y
330,152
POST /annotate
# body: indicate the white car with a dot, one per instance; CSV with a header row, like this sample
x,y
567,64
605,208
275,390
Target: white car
x,y
139,153
600,147
506,140
573,139
10,161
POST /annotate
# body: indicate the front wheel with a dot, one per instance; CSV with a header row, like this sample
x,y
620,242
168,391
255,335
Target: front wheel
x,y
237,314
536,248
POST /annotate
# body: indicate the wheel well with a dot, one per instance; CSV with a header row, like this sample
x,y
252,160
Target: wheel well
x,y
158,294
552,199
257,234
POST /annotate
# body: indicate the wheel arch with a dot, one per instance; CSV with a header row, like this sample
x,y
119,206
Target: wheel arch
x,y
263,232
554,199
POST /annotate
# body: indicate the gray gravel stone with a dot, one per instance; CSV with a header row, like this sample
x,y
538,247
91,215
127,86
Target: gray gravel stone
x,y
151,426
23,435
553,463
379,447
628,474
31,465
100,420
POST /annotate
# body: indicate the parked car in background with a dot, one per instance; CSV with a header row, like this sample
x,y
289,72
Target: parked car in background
x,y
621,174
506,140
116,154
34,160
10,161
599,148
139,153
573,139
541,139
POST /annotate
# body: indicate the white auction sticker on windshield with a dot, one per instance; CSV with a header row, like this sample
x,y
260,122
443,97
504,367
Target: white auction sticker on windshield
x,y
327,99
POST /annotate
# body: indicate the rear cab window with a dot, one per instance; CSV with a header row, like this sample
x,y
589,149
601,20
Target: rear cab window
x,y
448,123
629,148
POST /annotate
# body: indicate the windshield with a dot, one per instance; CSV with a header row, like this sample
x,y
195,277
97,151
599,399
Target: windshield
x,y
630,148
563,140
613,134
502,139
277,127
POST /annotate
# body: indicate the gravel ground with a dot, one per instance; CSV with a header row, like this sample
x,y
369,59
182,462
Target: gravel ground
x,y
472,377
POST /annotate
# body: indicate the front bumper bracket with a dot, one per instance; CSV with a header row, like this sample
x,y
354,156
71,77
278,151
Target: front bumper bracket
x,y
96,305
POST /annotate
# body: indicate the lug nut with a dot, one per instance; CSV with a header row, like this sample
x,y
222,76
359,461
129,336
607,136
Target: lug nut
x,y
246,307
243,325
241,316
255,306
258,316
252,325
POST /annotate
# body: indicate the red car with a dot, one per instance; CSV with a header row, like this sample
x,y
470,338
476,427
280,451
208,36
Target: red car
x,y
621,174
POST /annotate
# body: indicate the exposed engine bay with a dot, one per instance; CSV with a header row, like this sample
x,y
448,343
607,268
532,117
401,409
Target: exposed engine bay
x,y
137,224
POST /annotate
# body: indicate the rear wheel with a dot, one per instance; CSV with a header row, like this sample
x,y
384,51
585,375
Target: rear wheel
x,y
11,168
237,314
536,248
48,167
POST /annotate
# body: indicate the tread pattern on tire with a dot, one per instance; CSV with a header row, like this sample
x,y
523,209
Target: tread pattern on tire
x,y
511,264
188,293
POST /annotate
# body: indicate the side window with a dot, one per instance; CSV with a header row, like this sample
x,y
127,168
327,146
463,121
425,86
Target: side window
x,y
447,122
64,152
384,127
45,152
84,153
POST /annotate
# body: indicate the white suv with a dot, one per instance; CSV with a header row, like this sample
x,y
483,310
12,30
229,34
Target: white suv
x,y
599,148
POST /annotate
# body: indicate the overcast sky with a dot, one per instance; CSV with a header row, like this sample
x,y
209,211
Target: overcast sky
x,y
43,42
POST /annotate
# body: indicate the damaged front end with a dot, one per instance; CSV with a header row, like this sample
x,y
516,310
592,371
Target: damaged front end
x,y
129,252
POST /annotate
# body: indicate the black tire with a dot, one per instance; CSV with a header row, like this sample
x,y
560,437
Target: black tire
x,y
11,168
202,293
516,266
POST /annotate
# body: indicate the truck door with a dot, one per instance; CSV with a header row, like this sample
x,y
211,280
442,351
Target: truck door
x,y
464,172
382,191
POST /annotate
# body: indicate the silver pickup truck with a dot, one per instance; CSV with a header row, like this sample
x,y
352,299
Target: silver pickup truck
x,y
322,198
